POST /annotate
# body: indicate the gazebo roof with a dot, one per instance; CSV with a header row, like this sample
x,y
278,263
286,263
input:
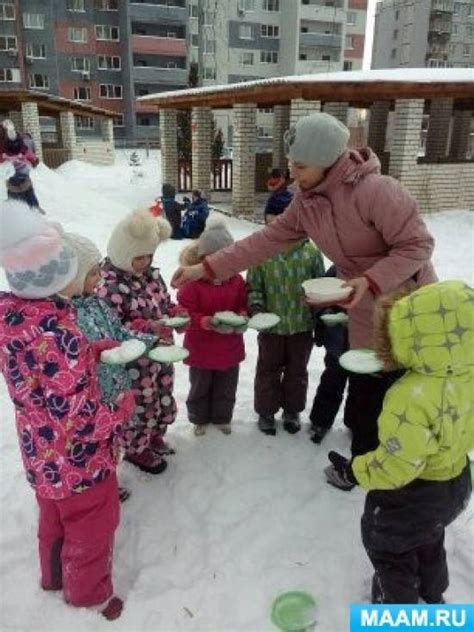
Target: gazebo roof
x,y
358,88
48,104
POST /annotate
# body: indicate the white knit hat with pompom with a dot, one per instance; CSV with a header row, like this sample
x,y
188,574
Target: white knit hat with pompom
x,y
137,235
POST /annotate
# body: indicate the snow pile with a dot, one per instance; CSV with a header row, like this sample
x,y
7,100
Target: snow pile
x,y
234,521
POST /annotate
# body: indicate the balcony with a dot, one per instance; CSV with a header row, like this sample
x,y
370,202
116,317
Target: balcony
x,y
153,74
322,13
158,13
308,67
151,45
440,27
442,6
323,40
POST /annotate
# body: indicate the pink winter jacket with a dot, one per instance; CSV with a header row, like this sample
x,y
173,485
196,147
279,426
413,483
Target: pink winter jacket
x,y
68,438
365,223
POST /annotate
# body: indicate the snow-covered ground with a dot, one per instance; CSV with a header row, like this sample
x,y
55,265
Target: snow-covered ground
x,y
235,520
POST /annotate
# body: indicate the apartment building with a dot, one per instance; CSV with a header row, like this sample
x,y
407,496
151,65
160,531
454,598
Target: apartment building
x,y
431,33
243,40
105,52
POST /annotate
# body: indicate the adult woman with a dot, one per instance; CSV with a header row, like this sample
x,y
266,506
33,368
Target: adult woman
x,y
367,224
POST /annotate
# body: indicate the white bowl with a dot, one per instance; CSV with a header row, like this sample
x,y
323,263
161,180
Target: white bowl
x,y
326,290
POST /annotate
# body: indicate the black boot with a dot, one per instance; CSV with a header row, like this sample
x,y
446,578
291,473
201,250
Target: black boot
x,y
317,433
291,422
266,424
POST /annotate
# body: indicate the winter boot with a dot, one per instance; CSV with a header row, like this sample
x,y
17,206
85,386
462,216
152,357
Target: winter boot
x,y
266,424
160,446
147,461
335,479
225,428
291,422
317,433
199,430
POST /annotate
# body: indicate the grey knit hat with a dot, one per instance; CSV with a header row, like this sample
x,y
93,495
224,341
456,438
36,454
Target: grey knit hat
x,y
37,261
215,237
318,140
88,256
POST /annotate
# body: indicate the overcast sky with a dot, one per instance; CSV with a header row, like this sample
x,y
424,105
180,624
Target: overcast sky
x,y
369,34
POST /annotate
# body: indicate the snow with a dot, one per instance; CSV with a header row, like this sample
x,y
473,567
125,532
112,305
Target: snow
x,y
418,75
235,520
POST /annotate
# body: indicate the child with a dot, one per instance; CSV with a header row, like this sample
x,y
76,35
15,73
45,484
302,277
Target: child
x,y
214,351
194,219
68,437
281,379
280,197
19,151
418,478
330,391
136,292
99,322
173,210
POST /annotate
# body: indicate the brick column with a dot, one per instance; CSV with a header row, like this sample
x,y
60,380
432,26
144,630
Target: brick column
x,y
201,132
301,107
31,124
169,147
107,129
460,134
281,122
438,128
245,144
338,109
68,130
406,136
17,119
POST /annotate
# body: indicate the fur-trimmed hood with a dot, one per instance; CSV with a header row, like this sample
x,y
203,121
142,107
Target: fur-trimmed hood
x,y
189,256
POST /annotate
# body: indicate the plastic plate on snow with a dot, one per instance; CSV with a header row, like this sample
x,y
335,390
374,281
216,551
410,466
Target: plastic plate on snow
x,y
128,351
294,612
361,361
230,318
176,322
334,319
263,321
168,354
326,290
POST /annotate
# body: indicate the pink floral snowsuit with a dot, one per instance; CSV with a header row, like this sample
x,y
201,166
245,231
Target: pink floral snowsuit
x,y
139,300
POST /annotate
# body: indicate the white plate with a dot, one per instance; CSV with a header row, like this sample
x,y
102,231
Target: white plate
x,y
168,354
230,318
326,290
176,322
334,319
361,361
264,321
129,351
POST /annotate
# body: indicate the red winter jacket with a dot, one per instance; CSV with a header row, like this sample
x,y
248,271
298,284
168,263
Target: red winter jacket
x,y
210,349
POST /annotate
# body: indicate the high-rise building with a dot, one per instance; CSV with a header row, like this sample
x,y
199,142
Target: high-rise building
x,y
431,33
243,40
105,52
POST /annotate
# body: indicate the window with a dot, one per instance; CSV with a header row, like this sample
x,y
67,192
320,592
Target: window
x,y
246,59
36,51
351,18
456,8
33,20
118,120
245,31
8,75
39,81
84,122
194,40
397,14
265,131
271,5
106,5
303,56
467,51
268,57
347,65
7,43
193,11
109,62
209,18
110,91
395,34
326,57
209,46
304,29
144,121
108,33
269,30
350,42
7,12
246,5
209,73
171,64
82,94
78,35
75,5
455,29
80,64
265,110
469,31
394,53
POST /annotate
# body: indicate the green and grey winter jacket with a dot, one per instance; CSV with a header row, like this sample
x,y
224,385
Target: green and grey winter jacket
x,y
275,286
426,427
